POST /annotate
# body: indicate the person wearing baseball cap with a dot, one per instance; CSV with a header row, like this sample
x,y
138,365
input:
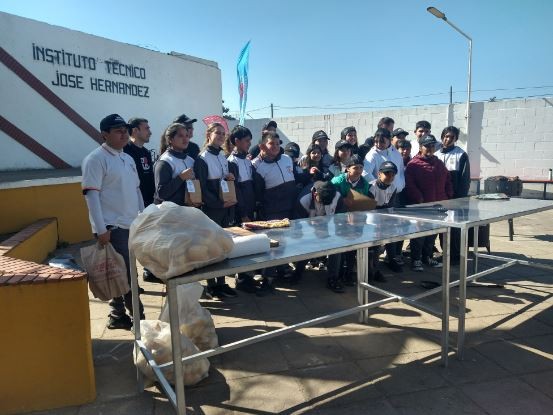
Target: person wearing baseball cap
x,y
398,134
427,180
321,199
321,138
385,193
111,188
193,149
350,135
342,153
381,152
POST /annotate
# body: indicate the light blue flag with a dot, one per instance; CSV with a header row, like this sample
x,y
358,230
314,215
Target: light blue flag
x,y
242,71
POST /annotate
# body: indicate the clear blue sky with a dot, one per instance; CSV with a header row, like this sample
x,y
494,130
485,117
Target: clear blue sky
x,y
347,55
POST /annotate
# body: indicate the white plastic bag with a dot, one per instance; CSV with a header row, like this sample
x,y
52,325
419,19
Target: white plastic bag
x,y
170,240
106,269
156,336
196,322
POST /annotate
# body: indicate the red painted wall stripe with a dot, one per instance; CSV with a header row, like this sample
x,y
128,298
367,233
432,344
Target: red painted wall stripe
x,y
49,96
32,144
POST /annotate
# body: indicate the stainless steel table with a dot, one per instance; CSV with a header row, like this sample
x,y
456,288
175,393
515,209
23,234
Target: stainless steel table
x,y
467,213
304,239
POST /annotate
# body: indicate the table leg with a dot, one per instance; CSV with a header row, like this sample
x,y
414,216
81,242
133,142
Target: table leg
x,y
475,248
445,295
362,276
172,301
462,294
136,316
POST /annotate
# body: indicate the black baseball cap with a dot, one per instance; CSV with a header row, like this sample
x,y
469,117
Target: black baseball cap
x,y
341,144
271,123
292,149
319,135
399,131
388,166
184,119
112,121
428,140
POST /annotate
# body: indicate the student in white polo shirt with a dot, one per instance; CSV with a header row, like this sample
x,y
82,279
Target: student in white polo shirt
x,y
112,192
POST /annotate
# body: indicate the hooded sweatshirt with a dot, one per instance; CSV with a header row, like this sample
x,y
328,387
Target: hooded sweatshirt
x,y
427,180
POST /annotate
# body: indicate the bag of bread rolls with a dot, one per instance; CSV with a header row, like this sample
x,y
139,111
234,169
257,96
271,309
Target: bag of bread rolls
x,y
156,336
171,240
196,322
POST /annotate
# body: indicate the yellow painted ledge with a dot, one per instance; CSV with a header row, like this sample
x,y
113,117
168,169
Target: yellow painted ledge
x,y
64,201
46,347
38,244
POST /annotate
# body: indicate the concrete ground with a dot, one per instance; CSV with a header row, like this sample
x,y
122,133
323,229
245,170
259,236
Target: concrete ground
x,y
390,366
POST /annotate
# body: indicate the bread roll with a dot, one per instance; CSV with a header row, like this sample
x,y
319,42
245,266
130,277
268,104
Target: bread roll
x,y
197,253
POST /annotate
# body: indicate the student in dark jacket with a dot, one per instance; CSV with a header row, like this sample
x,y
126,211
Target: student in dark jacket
x,y
174,167
139,134
321,199
275,187
241,138
312,164
456,160
427,180
193,148
213,171
274,178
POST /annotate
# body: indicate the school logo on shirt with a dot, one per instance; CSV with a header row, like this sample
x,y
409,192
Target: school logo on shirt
x,y
145,164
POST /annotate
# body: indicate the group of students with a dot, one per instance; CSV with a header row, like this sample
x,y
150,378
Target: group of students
x,y
276,182
120,178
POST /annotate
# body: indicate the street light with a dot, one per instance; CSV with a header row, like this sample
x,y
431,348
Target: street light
x,y
440,15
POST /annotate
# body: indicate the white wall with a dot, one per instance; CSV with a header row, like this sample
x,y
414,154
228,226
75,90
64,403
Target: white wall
x,y
176,84
511,137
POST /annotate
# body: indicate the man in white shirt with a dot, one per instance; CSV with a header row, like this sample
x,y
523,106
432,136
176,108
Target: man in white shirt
x,y
111,187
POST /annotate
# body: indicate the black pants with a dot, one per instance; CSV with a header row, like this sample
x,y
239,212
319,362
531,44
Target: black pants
x,y
119,238
454,243
422,247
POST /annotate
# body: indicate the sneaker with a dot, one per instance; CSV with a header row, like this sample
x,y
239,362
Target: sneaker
x,y
399,260
246,284
417,266
264,288
214,292
333,284
432,262
124,322
378,276
147,276
394,266
206,295
226,291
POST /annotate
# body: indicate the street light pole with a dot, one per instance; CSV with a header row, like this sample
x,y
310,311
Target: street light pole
x,y
434,11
